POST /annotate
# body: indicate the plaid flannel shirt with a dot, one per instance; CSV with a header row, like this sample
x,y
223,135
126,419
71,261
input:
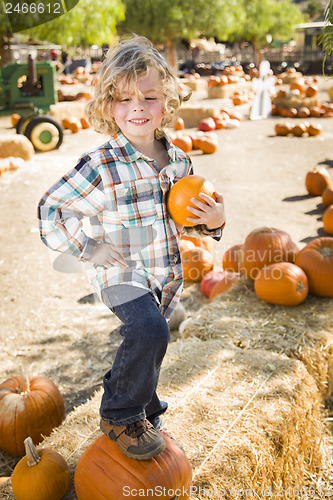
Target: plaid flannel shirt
x,y
123,193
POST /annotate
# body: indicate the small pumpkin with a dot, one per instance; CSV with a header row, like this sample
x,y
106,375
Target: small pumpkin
x,y
209,280
232,259
316,260
314,129
74,125
327,196
183,142
264,246
180,124
206,242
223,285
298,84
103,471
299,130
206,125
180,195
283,128
185,245
29,406
303,112
208,145
84,122
311,90
328,220
40,475
15,118
196,263
282,283
317,180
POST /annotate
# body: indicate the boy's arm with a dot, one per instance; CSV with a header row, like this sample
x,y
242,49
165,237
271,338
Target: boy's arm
x,y
76,195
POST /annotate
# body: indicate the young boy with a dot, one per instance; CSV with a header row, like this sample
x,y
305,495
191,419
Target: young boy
x,y
122,187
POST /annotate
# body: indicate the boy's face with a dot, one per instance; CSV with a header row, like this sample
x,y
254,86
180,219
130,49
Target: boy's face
x,y
138,112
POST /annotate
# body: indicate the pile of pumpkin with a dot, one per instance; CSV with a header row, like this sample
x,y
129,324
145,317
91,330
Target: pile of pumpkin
x,y
80,96
318,183
242,97
75,124
301,129
282,273
30,408
324,110
230,75
203,139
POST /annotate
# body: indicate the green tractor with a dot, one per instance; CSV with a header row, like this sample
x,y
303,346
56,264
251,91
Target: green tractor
x,y
28,89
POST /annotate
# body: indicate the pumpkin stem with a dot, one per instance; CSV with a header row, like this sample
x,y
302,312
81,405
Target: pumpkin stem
x,y
31,452
326,251
263,229
24,384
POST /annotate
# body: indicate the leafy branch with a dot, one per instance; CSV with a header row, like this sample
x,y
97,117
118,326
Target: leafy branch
x,y
326,37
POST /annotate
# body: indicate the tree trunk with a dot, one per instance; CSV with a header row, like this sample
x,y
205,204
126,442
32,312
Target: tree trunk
x,y
171,54
257,54
5,56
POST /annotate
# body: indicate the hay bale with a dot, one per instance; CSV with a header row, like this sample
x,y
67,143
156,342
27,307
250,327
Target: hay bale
x,y
304,332
195,84
294,101
193,114
16,145
246,419
290,77
222,92
74,109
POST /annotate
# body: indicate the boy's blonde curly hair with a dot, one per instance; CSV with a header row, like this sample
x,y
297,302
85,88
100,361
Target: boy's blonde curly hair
x,y
130,60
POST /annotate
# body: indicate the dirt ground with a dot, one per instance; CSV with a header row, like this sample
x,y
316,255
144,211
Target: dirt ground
x,y
48,328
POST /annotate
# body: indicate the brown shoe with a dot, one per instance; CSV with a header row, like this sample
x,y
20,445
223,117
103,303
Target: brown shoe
x,y
139,440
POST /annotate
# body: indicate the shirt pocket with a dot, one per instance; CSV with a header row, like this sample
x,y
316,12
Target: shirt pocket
x,y
135,203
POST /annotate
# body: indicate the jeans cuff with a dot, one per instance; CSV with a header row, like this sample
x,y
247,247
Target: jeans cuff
x,y
125,421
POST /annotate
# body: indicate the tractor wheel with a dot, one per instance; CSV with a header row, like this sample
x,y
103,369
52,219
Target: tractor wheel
x,y
21,125
44,132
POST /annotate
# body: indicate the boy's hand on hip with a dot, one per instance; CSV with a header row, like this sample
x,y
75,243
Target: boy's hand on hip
x,y
105,255
208,211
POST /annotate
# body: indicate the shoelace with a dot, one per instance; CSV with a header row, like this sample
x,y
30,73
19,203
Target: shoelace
x,y
137,429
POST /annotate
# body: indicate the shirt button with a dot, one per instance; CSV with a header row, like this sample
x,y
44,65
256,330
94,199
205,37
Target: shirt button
x,y
175,258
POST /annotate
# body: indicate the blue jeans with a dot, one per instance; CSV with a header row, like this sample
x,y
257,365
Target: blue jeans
x,y
130,386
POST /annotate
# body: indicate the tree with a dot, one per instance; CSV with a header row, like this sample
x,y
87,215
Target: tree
x,y
260,18
326,38
166,21
89,22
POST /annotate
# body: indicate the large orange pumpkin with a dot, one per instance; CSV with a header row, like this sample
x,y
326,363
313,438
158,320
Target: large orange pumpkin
x,y
29,406
103,471
317,180
232,259
328,220
196,263
40,475
180,195
283,283
264,246
316,260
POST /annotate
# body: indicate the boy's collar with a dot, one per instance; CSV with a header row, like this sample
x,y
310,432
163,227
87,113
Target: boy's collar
x,y
127,153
